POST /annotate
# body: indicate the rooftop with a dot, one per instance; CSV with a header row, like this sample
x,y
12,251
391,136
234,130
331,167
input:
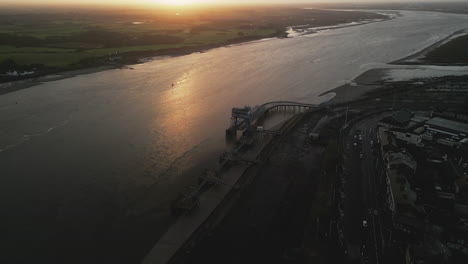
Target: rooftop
x,y
404,196
448,124
401,158
399,118
387,139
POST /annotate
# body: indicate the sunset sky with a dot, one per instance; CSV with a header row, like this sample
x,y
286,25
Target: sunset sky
x,y
184,2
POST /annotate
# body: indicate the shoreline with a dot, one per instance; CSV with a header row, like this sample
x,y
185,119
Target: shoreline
x,y
416,58
374,79
359,86
373,89
133,58
314,30
363,79
217,202
13,86
147,56
365,88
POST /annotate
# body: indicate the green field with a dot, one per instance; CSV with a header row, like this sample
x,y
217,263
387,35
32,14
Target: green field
x,y
49,41
56,52
71,53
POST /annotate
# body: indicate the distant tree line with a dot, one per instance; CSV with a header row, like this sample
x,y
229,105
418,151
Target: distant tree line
x,y
19,40
103,38
7,65
10,65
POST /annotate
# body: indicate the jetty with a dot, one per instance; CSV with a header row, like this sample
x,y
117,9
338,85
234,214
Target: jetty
x,y
195,209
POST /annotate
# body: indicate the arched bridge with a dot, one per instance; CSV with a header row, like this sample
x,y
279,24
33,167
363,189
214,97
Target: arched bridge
x,y
244,118
287,105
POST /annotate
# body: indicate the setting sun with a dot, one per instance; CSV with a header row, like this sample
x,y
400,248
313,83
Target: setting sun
x,y
178,2
174,2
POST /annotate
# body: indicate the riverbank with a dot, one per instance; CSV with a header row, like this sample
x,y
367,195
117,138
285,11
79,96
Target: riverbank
x,y
383,79
420,58
291,208
124,60
8,87
131,141
123,37
275,213
270,219
124,63
303,30
220,234
233,175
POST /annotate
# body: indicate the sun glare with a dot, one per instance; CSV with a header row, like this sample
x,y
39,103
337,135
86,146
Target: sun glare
x,y
178,2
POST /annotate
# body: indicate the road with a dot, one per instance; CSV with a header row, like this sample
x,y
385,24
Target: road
x,y
270,221
364,192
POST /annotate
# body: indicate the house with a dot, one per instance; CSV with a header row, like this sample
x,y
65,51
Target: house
x,y
399,118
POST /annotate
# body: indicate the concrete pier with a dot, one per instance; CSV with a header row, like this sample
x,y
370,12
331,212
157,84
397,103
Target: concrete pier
x,y
245,119
186,225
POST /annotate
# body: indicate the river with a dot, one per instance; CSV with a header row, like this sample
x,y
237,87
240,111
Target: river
x,y
88,164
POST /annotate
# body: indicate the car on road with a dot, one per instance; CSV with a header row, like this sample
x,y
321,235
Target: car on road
x,y
342,195
343,181
361,156
364,223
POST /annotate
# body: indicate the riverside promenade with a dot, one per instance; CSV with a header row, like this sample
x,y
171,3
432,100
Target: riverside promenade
x,y
186,225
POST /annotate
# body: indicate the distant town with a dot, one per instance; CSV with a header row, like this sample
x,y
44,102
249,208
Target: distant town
x,y
389,170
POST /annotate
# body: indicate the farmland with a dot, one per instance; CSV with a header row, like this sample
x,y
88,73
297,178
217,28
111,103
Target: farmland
x,y
61,39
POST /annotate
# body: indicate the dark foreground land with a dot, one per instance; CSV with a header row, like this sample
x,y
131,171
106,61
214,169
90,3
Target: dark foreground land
x,y
35,42
454,51
283,202
449,51
306,200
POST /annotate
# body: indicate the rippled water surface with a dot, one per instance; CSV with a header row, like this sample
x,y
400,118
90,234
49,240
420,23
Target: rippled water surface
x,y
88,164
